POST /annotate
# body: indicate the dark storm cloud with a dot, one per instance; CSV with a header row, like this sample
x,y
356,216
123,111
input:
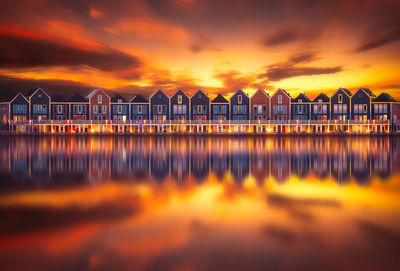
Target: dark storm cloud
x,y
17,220
281,37
10,85
291,68
379,40
27,52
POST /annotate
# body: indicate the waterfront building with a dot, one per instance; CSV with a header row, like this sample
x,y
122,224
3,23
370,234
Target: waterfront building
x,y
180,104
39,104
280,105
340,105
79,107
200,106
220,108
99,105
382,107
361,104
60,108
5,111
300,107
320,107
239,106
119,108
19,106
259,105
159,104
139,108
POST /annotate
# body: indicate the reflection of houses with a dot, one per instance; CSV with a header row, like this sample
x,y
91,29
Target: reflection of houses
x,y
361,167
239,165
179,166
219,164
199,164
300,164
340,166
280,167
260,166
159,165
320,164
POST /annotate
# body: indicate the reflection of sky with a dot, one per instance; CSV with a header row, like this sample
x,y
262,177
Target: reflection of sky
x,y
109,216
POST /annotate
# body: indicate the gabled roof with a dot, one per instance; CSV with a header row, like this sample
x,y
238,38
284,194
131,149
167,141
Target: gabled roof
x,y
345,90
262,91
78,98
57,98
284,91
302,97
180,91
139,99
220,99
368,91
205,94
30,92
238,91
19,94
116,97
160,90
384,97
94,92
322,97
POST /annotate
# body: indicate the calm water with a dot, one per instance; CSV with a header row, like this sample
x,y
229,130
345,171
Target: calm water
x,y
199,203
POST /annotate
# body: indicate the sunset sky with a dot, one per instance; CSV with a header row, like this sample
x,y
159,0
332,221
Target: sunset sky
x,y
138,46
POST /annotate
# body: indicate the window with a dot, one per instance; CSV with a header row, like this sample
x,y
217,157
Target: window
x,y
264,109
335,108
365,108
340,98
179,99
139,109
200,109
300,101
159,109
279,99
215,109
99,99
119,101
199,96
260,109
224,109
300,109
175,109
119,109
239,99
95,109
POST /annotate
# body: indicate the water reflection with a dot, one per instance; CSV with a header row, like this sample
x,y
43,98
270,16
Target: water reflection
x,y
50,159
199,203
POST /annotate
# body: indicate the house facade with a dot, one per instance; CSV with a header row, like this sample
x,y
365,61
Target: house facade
x,y
99,105
79,107
219,108
259,105
320,108
159,104
300,107
119,108
239,106
200,106
139,108
361,104
280,105
39,104
60,108
19,107
340,105
382,107
180,106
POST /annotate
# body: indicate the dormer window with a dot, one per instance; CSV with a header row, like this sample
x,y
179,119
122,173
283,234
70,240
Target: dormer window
x,y
340,98
99,99
279,99
179,99
239,99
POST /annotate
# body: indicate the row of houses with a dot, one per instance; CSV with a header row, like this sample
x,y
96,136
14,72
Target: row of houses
x,y
36,105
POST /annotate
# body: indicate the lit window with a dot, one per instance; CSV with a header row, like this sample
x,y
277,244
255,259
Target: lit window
x,y
239,99
279,99
340,98
99,99
179,99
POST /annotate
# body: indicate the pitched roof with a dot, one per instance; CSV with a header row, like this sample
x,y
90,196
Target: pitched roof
x,y
284,91
139,99
384,97
116,97
94,91
220,99
346,91
262,91
57,98
369,92
322,97
77,98
302,97
205,94
30,92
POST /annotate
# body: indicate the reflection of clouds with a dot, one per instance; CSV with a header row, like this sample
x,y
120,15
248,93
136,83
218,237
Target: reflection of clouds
x,y
283,201
283,235
380,235
44,160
